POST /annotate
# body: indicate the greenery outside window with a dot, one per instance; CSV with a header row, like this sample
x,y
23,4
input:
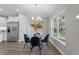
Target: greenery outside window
x,y
59,28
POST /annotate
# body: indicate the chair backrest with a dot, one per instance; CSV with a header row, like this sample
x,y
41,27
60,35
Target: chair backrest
x,y
47,37
35,41
26,38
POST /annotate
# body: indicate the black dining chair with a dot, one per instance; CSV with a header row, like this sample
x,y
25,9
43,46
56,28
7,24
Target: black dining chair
x,y
26,39
46,39
35,41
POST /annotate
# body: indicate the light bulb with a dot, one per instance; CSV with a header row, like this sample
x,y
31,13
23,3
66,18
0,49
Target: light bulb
x,y
77,17
32,18
38,17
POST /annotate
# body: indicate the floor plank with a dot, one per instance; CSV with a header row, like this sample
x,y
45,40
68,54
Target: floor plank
x,y
13,48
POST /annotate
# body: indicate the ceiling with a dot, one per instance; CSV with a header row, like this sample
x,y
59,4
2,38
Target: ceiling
x,y
41,10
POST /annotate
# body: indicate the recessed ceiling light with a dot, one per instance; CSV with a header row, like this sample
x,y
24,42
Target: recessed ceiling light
x,y
1,9
17,9
77,17
36,4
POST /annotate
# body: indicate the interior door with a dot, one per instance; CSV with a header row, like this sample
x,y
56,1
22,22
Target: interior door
x,y
12,31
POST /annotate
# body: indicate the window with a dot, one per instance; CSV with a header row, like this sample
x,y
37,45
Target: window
x,y
59,28
62,28
56,28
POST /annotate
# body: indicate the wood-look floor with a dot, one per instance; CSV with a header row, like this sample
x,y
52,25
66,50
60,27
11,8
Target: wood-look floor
x,y
14,48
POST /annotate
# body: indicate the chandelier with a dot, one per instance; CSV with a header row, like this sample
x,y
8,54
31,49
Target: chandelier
x,y
37,23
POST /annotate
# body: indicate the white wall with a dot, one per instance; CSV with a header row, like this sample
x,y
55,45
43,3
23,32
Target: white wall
x,y
24,27
3,28
72,30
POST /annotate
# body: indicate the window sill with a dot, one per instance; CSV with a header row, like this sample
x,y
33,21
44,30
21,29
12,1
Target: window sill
x,y
60,41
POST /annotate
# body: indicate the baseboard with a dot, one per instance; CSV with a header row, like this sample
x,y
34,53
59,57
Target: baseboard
x,y
61,52
20,40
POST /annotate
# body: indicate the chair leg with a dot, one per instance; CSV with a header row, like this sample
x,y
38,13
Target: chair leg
x,y
31,49
24,46
42,44
40,50
47,44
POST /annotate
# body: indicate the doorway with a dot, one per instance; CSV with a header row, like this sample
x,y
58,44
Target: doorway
x,y
12,31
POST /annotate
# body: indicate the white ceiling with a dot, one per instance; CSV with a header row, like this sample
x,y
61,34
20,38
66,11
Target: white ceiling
x,y
41,10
